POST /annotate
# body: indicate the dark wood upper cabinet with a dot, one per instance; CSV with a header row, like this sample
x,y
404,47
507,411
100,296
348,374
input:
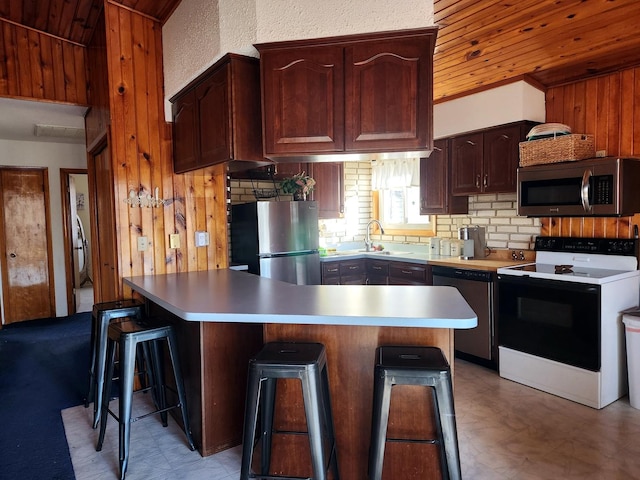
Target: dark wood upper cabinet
x,y
486,161
216,118
359,94
329,191
435,183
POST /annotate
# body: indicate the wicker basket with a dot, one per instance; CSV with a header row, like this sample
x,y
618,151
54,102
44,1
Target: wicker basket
x,y
564,148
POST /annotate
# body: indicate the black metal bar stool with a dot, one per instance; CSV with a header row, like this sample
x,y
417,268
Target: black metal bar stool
x,y
308,362
103,314
128,335
426,366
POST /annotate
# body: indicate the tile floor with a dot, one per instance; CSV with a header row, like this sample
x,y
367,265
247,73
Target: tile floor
x,y
505,430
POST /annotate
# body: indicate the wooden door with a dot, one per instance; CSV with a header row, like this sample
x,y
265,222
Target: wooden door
x,y
303,100
388,95
105,259
26,263
466,164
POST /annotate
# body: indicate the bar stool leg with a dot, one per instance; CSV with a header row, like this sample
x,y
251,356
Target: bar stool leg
x,y
250,419
104,409
127,373
157,378
331,431
447,417
100,365
182,395
380,421
310,390
268,401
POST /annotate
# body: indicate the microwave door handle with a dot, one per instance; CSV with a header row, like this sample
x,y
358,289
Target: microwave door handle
x,y
585,190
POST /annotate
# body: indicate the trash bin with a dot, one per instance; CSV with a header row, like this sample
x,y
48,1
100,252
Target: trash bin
x,y
631,322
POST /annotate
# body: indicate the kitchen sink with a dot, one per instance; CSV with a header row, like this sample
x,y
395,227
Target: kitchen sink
x,y
362,250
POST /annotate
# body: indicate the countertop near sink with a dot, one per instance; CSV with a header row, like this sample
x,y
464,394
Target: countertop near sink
x,y
495,260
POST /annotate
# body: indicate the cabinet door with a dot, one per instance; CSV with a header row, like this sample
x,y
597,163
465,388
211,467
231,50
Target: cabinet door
x,y
330,273
329,189
466,164
401,273
435,183
388,93
185,133
501,155
303,100
212,100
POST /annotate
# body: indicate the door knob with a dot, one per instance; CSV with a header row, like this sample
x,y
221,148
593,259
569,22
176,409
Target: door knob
x,y
12,255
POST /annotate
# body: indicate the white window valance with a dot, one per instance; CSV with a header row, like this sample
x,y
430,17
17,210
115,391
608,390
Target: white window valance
x,y
396,173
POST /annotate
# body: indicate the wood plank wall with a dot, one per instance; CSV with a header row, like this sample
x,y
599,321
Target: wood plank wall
x,y
607,107
38,66
141,150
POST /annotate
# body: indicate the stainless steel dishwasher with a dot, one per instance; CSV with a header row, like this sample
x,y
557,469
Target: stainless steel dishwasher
x,y
477,287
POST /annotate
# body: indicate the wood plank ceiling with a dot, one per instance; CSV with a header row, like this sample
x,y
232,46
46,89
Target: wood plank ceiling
x,y
480,43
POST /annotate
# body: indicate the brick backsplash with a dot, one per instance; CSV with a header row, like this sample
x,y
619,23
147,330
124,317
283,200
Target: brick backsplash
x,y
495,212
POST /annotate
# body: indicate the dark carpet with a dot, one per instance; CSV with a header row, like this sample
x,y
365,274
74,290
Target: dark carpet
x,y
43,370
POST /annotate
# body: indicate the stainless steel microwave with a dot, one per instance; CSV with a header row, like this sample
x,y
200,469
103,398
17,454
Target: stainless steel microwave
x,y
607,186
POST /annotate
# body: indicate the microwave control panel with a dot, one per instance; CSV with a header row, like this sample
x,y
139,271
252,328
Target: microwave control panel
x,y
602,188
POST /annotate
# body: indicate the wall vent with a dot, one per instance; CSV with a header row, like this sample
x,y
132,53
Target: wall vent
x,y
58,131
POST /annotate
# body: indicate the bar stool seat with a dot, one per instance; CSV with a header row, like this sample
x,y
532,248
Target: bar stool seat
x,y
411,365
103,314
128,335
304,361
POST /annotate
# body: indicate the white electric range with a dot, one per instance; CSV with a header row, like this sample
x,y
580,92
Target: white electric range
x,y
559,319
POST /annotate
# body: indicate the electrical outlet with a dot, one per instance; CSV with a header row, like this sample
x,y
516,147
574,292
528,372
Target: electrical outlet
x,y
601,153
143,244
174,240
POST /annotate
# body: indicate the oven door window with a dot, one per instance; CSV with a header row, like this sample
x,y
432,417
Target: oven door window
x,y
551,319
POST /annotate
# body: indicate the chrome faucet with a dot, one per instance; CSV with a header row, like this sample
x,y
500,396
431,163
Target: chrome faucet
x,y
368,243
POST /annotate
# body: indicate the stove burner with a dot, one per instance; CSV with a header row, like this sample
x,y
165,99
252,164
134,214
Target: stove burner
x,y
560,269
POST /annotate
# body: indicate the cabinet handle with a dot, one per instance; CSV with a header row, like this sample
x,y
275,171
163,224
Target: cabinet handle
x,y
471,143
506,137
353,268
406,272
486,179
377,268
477,181
437,149
332,270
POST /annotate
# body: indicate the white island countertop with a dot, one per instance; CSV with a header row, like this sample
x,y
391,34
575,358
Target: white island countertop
x,y
230,296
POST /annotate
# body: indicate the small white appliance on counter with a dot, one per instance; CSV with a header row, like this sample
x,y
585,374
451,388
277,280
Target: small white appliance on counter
x,y
559,319
474,242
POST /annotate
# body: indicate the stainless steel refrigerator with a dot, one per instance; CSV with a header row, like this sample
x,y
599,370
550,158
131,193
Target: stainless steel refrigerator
x,y
277,240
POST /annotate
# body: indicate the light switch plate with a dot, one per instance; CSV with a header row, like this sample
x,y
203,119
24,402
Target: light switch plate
x,y
202,239
143,244
174,240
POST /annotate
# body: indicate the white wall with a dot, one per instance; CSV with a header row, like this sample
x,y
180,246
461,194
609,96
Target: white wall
x,y
505,104
54,156
200,32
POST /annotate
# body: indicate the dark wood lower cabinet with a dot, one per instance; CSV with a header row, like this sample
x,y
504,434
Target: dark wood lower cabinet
x,y
371,271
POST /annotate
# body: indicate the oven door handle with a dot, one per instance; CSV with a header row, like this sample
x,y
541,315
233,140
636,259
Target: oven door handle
x,y
584,191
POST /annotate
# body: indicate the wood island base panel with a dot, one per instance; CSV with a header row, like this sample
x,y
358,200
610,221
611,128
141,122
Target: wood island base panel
x,y
223,317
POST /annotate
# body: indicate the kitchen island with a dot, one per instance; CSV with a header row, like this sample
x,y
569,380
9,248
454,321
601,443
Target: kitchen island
x,y
223,316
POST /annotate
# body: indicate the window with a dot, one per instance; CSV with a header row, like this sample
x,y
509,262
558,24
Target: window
x,y
399,211
396,198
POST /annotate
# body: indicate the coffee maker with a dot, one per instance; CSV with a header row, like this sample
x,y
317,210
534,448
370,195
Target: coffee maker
x,y
474,242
